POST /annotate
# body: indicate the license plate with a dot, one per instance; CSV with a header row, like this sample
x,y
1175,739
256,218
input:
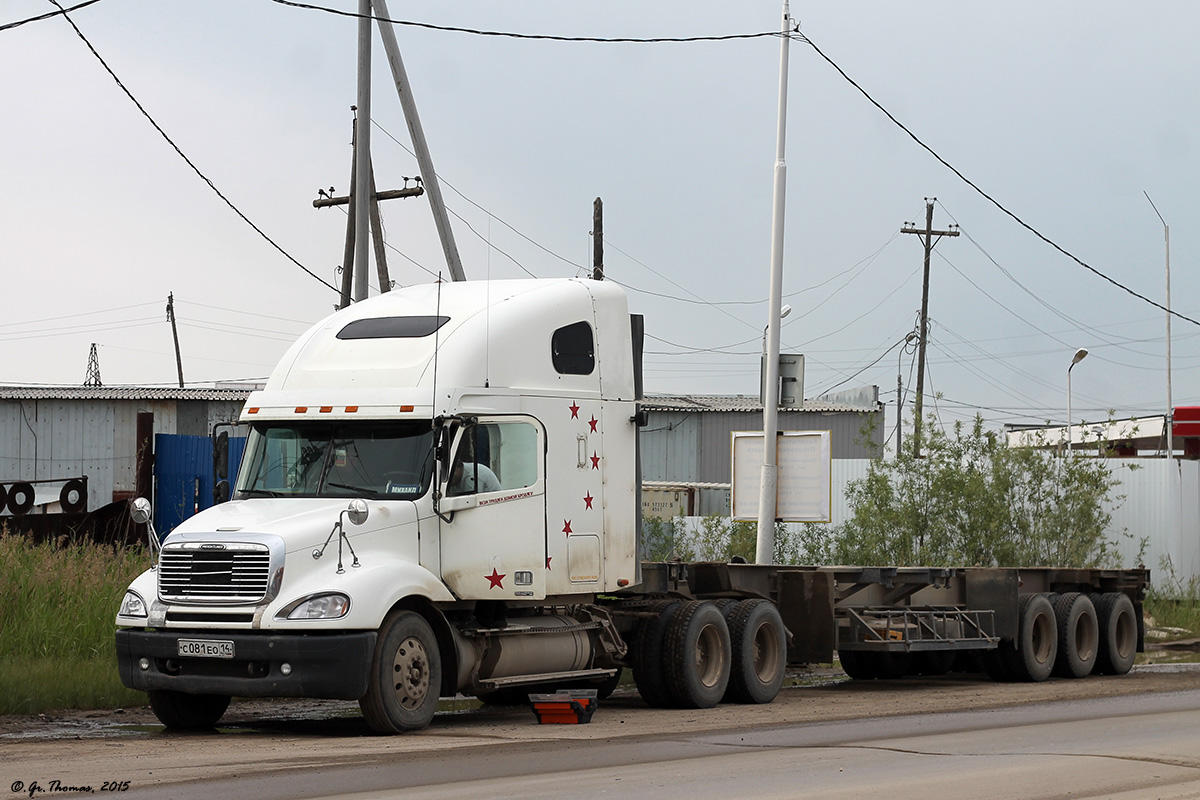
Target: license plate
x,y
205,648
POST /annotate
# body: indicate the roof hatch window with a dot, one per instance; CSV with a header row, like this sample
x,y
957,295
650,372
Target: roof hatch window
x,y
392,327
573,350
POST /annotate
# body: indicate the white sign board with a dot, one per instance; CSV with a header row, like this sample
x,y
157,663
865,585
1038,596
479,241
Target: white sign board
x,y
804,491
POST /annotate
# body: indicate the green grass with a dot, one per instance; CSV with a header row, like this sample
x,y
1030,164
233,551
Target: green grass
x,y
57,604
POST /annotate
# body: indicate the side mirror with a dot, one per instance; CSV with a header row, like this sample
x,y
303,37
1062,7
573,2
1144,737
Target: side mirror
x,y
141,511
357,512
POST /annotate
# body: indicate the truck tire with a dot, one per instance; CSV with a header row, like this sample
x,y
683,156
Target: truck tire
x,y
1078,635
997,663
1037,644
187,712
406,676
759,647
647,658
1117,622
865,665
931,663
698,655
856,666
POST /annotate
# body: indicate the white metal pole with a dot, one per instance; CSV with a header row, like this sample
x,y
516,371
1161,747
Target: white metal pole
x,y
420,148
1170,417
765,550
1080,355
362,155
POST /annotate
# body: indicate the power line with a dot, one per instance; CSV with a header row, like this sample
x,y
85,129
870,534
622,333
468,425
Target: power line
x,y
546,37
61,11
176,148
803,38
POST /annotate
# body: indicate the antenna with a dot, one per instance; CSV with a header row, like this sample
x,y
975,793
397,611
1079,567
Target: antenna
x,y
93,369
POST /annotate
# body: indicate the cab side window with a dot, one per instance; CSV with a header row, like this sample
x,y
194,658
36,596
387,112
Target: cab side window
x,y
572,349
493,457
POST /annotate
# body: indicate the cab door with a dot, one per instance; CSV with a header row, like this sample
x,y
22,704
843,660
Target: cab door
x,y
494,545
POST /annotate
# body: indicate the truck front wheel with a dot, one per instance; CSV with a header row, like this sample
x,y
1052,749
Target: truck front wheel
x,y
406,676
187,711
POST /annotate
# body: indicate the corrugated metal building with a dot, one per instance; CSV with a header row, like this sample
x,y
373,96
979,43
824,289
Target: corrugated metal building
x,y
687,437
64,432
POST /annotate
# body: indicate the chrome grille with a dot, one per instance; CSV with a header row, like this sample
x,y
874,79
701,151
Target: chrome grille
x,y
214,573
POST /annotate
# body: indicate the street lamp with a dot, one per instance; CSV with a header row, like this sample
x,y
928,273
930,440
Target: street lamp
x,y
1080,355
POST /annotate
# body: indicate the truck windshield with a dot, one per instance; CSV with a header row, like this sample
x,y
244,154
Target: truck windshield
x,y
361,459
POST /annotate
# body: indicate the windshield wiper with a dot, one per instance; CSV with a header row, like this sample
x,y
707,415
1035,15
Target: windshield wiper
x,y
263,492
362,491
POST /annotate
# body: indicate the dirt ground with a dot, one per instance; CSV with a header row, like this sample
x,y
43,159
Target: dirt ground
x,y
260,737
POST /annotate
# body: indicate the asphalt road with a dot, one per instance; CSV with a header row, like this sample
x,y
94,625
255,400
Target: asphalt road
x,y
1110,741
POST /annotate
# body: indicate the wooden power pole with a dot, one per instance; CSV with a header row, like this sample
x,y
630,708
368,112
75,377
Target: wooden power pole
x,y
927,234
175,335
350,200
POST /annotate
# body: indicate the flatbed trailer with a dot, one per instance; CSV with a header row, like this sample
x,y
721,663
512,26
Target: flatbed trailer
x,y
885,622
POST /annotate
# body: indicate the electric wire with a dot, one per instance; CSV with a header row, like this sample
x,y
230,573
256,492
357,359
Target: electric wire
x,y
61,11
180,152
547,37
803,38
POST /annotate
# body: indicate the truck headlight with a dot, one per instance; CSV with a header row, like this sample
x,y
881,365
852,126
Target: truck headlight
x,y
132,605
317,606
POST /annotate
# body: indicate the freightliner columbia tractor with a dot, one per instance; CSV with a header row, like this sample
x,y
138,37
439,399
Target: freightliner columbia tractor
x,y
440,495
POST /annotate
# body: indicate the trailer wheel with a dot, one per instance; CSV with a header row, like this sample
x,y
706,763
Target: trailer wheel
x,y
647,657
933,662
856,666
697,659
759,645
406,676
1078,635
187,712
1037,644
1117,622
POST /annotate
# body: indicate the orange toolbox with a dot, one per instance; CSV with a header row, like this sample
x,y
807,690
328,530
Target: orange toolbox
x,y
564,707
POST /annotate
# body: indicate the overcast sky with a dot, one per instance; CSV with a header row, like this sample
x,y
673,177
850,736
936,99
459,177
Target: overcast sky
x,y
1064,112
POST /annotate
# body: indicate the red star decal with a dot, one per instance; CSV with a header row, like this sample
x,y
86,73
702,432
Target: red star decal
x,y
567,527
548,561
495,579
574,410
587,498
595,460
593,422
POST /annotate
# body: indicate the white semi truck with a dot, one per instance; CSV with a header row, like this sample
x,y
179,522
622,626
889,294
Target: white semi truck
x,y
440,495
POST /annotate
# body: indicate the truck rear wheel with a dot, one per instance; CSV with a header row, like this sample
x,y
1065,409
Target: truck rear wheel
x,y
1037,639
1117,622
647,656
1078,635
187,711
759,645
697,655
406,676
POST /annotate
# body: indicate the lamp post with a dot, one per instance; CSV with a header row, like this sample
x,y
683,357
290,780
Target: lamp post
x,y
1170,418
1080,355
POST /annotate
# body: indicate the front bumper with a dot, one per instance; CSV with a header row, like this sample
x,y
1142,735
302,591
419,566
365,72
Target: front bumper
x,y
334,666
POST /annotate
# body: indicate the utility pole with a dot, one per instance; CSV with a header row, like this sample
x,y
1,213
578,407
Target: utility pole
x,y
327,199
175,335
598,240
420,149
929,241
764,551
